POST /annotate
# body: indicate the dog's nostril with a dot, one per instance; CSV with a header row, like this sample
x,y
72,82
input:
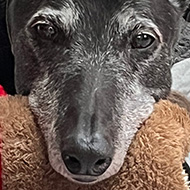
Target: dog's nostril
x,y
101,166
72,164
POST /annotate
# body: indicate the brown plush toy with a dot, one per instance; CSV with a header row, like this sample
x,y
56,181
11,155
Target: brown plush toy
x,y
153,161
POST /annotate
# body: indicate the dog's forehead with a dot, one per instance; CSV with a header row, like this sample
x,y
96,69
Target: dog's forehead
x,y
96,9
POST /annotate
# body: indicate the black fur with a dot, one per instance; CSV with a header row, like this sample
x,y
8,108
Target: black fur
x,y
7,59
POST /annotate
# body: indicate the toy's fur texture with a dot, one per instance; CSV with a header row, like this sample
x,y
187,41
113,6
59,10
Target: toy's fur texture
x,y
153,162
180,99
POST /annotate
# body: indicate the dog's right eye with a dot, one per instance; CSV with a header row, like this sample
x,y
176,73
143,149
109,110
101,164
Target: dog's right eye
x,y
142,40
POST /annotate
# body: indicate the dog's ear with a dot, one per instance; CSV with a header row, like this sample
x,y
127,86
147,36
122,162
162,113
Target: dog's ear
x,y
181,4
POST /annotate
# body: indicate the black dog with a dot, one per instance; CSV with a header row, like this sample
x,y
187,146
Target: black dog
x,y
93,70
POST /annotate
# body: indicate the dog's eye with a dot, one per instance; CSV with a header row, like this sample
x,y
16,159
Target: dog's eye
x,y
142,40
45,31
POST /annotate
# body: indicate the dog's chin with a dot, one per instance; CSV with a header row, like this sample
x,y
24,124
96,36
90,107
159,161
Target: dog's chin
x,y
83,179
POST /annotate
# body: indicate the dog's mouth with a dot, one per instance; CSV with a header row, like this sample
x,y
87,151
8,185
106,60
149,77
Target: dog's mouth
x,y
85,179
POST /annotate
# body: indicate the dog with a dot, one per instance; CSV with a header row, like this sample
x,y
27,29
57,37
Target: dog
x,y
93,70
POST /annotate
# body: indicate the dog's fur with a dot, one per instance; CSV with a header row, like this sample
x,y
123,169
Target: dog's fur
x,y
88,82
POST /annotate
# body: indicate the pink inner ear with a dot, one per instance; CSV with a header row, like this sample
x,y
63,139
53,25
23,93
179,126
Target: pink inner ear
x,y
2,91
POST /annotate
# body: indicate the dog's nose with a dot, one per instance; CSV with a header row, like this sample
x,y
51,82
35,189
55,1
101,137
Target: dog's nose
x,y
88,159
79,167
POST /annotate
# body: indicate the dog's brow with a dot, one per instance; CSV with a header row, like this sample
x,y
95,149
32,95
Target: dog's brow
x,y
175,3
67,16
151,24
129,18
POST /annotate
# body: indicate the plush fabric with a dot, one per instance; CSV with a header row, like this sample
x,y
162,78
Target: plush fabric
x,y
2,93
153,162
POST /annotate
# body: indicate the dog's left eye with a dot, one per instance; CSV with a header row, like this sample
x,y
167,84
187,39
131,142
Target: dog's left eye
x,y
142,40
45,30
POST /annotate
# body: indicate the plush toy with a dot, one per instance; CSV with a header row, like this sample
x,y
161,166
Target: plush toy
x,y
153,161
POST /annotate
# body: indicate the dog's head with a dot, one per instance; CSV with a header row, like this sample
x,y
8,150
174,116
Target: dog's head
x,y
92,70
